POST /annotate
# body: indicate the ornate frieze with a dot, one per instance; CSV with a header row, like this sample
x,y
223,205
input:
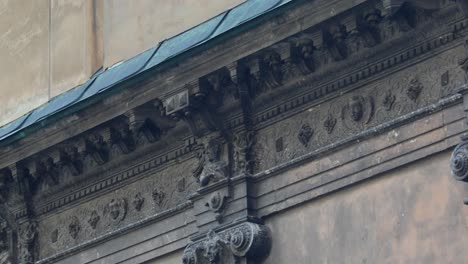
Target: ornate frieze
x,y
356,111
245,241
254,95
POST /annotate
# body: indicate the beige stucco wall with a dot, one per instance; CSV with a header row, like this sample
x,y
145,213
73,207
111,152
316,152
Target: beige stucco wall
x,y
50,46
414,214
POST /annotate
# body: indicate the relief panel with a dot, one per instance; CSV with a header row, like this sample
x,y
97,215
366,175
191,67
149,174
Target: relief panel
x,y
380,101
159,191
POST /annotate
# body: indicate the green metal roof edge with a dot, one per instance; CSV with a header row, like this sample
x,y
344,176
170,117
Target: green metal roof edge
x,y
125,83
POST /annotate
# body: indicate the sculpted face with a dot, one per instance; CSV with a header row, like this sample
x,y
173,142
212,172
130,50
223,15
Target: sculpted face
x,y
114,210
356,108
212,252
306,47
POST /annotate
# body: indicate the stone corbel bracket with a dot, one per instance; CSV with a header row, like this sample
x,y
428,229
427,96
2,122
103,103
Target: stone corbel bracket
x,y
247,241
197,107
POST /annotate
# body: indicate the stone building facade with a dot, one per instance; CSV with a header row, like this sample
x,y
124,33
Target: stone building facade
x,y
290,131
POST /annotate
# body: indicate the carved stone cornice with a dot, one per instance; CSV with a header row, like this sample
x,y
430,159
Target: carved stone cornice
x,y
321,63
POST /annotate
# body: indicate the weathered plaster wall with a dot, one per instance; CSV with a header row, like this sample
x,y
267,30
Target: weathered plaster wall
x,y
173,258
50,46
24,34
411,215
131,27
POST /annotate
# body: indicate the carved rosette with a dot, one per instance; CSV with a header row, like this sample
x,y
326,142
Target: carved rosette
x,y
248,240
459,162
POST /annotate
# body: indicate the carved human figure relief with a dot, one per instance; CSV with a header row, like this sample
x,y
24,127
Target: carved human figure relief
x,y
211,167
116,209
358,111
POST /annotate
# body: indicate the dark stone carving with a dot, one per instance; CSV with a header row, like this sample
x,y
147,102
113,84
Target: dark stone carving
x,y
329,124
143,128
71,160
216,203
445,79
94,219
5,181
211,168
198,110
459,162
116,209
54,236
303,55
45,172
74,227
369,27
414,89
121,140
243,143
159,197
271,69
279,144
5,257
305,134
336,42
148,132
181,185
355,42
138,201
463,61
389,100
245,241
27,238
359,109
96,149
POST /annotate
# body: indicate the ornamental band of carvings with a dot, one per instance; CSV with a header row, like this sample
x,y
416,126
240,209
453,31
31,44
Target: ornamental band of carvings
x,y
308,54
348,35
247,240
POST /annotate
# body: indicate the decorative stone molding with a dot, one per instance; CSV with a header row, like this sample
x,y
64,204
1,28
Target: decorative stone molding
x,y
245,241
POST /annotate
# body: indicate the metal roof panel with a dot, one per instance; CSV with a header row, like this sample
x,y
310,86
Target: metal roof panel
x,y
185,40
118,73
245,12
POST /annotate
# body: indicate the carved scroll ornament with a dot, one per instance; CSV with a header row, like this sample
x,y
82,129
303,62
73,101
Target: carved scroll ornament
x,y
247,240
459,162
